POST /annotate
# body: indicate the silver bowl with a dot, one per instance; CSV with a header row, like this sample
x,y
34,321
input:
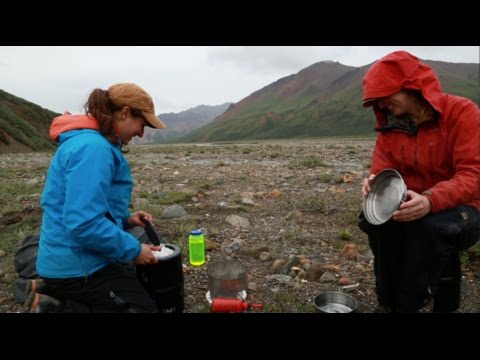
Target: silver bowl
x,y
388,190
335,302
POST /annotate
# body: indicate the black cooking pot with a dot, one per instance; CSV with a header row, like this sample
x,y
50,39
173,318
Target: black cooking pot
x,y
164,281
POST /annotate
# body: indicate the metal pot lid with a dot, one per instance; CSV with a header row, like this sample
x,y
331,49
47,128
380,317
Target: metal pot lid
x,y
388,190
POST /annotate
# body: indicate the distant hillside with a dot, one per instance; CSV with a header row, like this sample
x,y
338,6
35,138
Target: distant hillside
x,y
181,123
323,99
23,125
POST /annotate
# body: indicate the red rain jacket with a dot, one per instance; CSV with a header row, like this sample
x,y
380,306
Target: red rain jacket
x,y
440,161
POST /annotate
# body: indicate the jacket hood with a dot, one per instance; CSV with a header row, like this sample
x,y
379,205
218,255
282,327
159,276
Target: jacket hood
x,y
64,123
402,70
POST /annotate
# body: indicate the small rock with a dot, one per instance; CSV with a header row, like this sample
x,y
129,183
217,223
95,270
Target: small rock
x,y
252,286
238,221
346,281
174,211
327,277
247,201
265,256
350,252
278,265
314,272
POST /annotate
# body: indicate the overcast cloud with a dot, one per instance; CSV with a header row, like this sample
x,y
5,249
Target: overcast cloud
x,y
178,78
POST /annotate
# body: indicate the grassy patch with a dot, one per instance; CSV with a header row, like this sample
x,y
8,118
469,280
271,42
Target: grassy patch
x,y
292,237
205,185
309,161
14,233
350,216
326,178
288,302
178,231
315,204
9,192
174,198
470,256
345,235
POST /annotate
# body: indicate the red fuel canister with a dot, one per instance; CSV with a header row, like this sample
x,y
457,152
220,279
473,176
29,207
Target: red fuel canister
x,y
225,305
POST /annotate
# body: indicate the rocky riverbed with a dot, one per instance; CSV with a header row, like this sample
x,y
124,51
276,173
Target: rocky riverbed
x,y
286,210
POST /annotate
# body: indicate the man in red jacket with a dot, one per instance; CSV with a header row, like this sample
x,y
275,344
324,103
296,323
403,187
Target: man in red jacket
x,y
433,140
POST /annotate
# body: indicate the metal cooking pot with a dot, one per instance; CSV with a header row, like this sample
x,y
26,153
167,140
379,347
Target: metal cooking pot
x,y
335,302
226,279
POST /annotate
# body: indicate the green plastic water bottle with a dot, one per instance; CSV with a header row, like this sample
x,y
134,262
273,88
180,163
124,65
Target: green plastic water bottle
x,y
196,247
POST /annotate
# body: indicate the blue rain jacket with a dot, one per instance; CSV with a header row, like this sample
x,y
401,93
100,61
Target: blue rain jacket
x,y
85,203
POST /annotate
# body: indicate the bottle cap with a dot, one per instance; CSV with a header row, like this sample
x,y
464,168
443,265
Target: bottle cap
x,y
196,232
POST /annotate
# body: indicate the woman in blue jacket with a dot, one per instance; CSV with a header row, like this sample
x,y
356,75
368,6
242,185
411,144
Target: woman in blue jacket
x,y
83,240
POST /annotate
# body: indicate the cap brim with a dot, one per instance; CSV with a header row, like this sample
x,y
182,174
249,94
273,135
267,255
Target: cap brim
x,y
368,102
154,121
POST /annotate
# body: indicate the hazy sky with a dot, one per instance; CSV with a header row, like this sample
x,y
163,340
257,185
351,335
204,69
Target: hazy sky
x,y
181,77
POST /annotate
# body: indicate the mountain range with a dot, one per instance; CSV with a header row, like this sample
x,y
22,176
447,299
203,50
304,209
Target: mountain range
x,y
181,123
323,99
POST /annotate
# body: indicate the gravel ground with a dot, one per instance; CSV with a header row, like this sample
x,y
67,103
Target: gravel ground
x,y
301,200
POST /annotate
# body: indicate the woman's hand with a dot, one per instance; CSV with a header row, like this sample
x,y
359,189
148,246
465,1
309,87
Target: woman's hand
x,y
366,185
416,207
146,256
136,219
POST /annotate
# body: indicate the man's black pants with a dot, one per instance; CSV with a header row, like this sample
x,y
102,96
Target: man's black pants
x,y
410,256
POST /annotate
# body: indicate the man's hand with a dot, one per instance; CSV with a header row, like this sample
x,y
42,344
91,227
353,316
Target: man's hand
x,y
366,185
416,207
